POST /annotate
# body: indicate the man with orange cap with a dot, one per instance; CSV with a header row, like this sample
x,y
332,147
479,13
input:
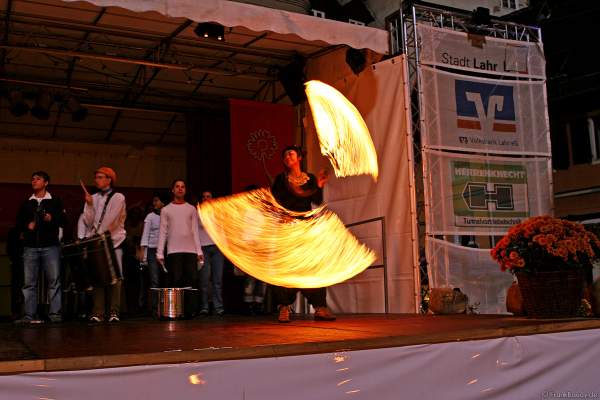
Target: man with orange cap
x,y
105,211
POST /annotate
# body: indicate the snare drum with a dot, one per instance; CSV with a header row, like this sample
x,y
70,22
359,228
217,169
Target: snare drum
x,y
99,258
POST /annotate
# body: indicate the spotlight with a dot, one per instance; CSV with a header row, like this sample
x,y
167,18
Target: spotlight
x,y
18,107
209,30
43,102
356,60
78,112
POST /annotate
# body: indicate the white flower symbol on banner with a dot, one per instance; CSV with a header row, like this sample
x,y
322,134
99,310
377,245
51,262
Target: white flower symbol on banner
x,y
261,145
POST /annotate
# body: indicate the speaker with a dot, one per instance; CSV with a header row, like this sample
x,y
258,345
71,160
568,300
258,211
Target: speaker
x,y
292,79
356,60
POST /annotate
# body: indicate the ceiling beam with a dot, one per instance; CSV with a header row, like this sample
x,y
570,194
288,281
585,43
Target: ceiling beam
x,y
70,70
163,47
147,63
228,58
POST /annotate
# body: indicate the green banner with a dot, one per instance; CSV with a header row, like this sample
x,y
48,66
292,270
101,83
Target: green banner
x,y
489,194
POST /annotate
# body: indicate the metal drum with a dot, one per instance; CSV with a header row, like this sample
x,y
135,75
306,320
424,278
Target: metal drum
x,y
171,302
98,259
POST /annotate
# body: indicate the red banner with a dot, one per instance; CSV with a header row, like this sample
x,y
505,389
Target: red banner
x,y
259,132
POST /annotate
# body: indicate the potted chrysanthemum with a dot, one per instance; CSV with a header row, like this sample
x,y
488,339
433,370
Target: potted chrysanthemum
x,y
549,257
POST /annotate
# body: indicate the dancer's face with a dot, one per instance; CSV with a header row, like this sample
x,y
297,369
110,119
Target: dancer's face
x,y
291,159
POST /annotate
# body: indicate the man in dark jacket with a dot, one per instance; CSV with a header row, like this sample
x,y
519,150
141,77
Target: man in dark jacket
x,y
39,220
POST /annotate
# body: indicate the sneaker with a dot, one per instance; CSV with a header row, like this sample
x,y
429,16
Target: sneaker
x,y
96,318
220,313
284,314
24,321
323,314
114,317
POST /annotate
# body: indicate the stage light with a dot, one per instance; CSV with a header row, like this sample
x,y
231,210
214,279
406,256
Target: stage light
x,y
18,107
343,134
285,248
78,112
43,102
209,30
356,60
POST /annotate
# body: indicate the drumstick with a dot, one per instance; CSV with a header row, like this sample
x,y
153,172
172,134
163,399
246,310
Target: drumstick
x,y
83,186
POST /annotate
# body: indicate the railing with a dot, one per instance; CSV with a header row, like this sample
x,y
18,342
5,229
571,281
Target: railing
x,y
383,265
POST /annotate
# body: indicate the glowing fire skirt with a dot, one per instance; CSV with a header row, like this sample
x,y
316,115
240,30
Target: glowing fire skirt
x,y
343,134
281,247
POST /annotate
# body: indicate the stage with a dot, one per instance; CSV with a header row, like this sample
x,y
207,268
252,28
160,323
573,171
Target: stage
x,y
78,346
362,356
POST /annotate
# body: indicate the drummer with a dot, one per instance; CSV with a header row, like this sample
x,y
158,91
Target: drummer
x,y
105,211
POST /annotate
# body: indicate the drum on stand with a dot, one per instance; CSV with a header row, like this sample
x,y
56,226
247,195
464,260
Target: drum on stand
x,y
94,260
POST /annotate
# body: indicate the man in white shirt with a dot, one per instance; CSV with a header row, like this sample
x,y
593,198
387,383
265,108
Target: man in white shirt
x,y
99,217
179,231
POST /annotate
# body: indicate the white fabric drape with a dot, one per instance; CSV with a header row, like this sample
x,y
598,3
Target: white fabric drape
x,y
258,19
379,93
473,271
472,53
521,367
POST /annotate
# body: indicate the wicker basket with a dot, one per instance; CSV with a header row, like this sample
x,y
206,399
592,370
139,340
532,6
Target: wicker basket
x,y
551,294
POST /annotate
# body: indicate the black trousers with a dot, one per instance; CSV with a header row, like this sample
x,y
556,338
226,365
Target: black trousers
x,y
181,269
286,296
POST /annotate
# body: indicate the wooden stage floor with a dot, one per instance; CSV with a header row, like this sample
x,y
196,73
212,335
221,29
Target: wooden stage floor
x,y
77,345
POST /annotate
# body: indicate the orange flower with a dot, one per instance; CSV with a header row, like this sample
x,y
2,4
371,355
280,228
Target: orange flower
x,y
558,238
562,252
540,239
520,263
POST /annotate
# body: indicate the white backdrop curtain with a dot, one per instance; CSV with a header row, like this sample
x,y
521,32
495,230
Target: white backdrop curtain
x,y
379,93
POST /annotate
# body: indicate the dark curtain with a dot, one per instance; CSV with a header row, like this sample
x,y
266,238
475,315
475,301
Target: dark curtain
x,y
208,152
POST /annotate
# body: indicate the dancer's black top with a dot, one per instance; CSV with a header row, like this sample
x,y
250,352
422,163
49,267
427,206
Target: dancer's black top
x,y
296,198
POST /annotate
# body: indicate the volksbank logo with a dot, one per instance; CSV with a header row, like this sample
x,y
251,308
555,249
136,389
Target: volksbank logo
x,y
485,107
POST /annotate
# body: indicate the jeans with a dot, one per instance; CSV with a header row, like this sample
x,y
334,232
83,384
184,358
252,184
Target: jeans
x,y
213,265
254,290
154,275
49,259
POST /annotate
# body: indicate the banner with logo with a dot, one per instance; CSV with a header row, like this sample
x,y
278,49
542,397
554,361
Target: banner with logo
x,y
461,112
482,54
469,194
259,132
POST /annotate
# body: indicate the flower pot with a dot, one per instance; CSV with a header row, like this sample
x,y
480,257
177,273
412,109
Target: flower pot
x,y
551,294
